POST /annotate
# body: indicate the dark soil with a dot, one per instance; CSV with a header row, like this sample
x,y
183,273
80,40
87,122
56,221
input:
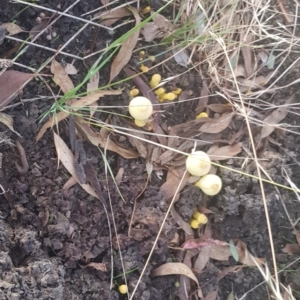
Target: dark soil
x,y
48,235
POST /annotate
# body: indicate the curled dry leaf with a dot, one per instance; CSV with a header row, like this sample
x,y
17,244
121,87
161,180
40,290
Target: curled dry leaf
x,y
66,156
60,77
70,69
12,28
8,121
159,28
77,105
183,225
11,83
125,52
97,266
97,140
219,108
225,152
291,249
37,29
211,295
176,269
275,117
218,125
110,17
174,177
93,83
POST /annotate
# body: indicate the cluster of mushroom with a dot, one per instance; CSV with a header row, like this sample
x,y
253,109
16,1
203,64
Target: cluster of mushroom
x,y
198,219
198,164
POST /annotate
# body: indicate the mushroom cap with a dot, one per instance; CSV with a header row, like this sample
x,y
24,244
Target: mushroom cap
x,y
210,184
194,224
200,217
198,163
140,108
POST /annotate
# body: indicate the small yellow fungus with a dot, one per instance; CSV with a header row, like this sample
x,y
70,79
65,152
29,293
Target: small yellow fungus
x,y
155,80
194,224
142,53
210,184
167,96
134,92
201,218
144,69
140,108
177,91
202,115
123,289
151,58
159,91
146,10
140,123
198,163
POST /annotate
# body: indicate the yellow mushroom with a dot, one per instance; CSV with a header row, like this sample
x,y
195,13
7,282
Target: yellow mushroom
x,y
201,218
134,92
159,91
146,10
140,123
210,184
140,108
177,91
123,289
202,115
198,163
151,58
194,224
155,80
167,96
144,68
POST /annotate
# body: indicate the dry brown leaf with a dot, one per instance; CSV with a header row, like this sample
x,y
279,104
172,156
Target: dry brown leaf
x,y
11,83
247,38
125,52
12,28
37,29
110,17
8,121
258,82
239,71
220,250
275,117
219,108
211,295
177,269
159,28
60,77
140,145
71,181
225,152
97,266
93,83
219,124
66,156
202,259
70,69
106,143
174,176
183,225
77,105
227,270
291,249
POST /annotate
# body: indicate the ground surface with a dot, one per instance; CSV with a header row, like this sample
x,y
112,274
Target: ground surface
x,y
48,235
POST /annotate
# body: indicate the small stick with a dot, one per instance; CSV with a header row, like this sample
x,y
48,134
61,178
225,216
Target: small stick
x,y
25,166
